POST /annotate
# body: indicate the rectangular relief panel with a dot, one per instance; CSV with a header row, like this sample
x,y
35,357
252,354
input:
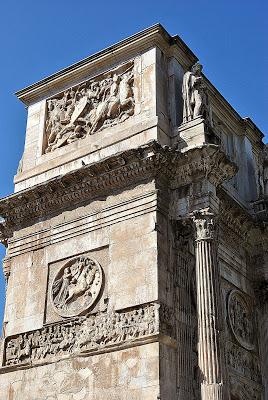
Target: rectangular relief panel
x,y
103,101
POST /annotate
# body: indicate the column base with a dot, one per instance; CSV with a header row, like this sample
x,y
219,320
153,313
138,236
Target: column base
x,y
213,391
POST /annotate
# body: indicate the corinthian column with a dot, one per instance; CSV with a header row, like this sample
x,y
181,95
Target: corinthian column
x,y
208,308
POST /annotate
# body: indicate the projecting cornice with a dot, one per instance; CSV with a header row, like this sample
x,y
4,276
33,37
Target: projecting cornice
x,y
155,35
236,217
126,168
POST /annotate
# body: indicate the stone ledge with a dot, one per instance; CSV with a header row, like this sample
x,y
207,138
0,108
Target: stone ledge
x,y
123,169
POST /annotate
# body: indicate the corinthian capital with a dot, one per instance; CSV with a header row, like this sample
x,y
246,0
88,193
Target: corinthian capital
x,y
204,224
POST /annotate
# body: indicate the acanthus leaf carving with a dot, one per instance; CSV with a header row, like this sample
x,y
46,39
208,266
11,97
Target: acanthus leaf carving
x,y
119,170
204,223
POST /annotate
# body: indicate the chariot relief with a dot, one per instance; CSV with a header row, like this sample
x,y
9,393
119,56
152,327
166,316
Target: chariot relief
x,y
89,107
76,286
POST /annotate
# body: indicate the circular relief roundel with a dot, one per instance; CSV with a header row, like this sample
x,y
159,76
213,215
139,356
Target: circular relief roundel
x,y
240,319
76,286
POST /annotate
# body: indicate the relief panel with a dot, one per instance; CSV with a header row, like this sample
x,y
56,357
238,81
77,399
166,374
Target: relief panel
x,y
76,286
83,334
101,102
240,319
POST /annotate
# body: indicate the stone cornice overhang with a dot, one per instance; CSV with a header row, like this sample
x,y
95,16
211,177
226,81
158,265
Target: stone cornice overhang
x,y
236,217
105,177
231,118
155,35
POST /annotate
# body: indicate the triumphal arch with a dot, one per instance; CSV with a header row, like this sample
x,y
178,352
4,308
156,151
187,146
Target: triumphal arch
x,y
136,240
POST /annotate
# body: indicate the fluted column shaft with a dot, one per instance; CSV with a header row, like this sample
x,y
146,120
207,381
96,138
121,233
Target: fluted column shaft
x,y
208,308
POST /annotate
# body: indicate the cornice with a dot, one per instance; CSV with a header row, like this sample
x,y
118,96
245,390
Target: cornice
x,y
237,218
155,35
231,118
117,172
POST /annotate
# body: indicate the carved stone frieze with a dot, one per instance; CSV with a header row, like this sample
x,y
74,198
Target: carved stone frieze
x,y
106,100
76,286
83,334
3,233
243,362
240,319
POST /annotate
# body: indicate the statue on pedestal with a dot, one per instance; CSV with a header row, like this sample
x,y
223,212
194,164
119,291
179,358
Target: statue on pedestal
x,y
195,99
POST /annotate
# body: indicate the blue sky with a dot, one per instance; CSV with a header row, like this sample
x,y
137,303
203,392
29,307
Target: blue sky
x,y
40,37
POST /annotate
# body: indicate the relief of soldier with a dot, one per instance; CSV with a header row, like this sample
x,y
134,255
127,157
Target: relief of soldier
x,y
88,108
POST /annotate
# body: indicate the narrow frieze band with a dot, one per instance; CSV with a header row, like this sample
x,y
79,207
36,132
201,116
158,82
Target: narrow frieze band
x,y
85,334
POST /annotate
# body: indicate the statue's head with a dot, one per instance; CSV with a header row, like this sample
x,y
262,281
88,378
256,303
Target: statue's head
x,y
197,68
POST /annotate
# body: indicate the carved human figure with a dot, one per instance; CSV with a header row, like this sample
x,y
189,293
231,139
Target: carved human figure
x,y
240,319
105,106
194,94
61,286
125,95
83,110
83,334
76,286
81,282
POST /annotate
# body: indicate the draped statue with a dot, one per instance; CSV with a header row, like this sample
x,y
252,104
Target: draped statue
x,y
195,101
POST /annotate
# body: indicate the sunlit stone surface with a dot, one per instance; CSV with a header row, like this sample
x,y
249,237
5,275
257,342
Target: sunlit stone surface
x,y
136,261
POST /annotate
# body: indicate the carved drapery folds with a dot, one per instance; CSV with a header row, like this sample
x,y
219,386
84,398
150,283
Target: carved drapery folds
x,y
84,334
76,286
195,97
208,308
104,101
244,391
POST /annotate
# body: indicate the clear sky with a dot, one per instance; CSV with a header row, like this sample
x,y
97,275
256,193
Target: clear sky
x,y
230,38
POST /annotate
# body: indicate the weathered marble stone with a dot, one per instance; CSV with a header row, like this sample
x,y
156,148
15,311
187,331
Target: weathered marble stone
x,y
136,263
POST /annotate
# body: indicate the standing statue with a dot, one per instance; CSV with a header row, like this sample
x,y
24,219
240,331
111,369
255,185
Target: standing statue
x,y
195,102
